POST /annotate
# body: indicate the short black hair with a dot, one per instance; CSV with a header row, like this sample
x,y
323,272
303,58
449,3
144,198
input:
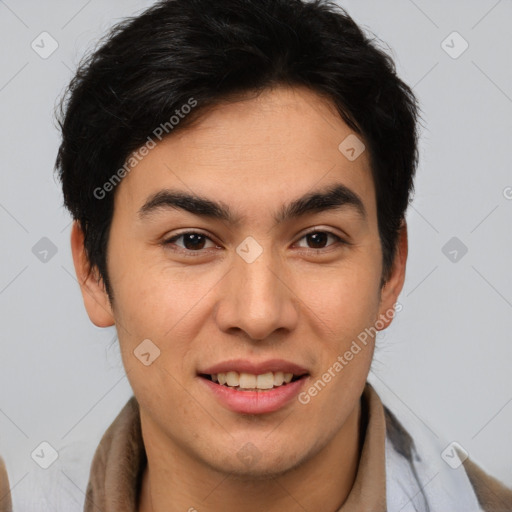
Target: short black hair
x,y
198,53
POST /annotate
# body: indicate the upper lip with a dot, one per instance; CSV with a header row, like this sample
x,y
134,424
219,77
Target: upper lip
x,y
252,367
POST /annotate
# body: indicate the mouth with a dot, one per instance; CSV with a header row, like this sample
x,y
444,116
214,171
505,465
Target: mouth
x,y
243,381
250,387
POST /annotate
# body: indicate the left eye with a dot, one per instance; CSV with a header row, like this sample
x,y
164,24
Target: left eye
x,y
320,238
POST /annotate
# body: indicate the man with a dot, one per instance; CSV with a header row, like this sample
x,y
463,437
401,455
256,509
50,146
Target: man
x,y
239,172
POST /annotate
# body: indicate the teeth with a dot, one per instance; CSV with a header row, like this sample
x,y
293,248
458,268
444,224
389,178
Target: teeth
x,y
278,378
249,381
264,381
232,379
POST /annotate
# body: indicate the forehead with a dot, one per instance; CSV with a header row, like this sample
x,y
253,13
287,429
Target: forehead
x,y
280,143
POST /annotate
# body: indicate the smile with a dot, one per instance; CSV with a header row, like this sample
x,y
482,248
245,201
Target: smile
x,y
241,392
250,382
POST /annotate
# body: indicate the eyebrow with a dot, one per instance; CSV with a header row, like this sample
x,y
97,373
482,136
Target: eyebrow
x,y
335,197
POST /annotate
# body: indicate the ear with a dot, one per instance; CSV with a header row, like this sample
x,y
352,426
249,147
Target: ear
x,y
393,286
93,290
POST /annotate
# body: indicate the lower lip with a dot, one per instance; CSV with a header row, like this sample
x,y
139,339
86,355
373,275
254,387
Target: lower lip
x,y
255,402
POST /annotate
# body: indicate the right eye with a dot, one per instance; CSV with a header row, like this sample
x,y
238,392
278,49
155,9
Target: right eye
x,y
193,241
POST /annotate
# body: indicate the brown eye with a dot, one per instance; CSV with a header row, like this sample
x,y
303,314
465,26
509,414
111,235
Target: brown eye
x,y
191,241
319,239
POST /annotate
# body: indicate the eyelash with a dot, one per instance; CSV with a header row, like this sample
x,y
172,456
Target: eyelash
x,y
170,241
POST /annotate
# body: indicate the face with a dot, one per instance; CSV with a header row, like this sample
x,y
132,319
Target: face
x,y
271,267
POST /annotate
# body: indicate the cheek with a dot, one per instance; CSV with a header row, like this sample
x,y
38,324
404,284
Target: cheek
x,y
345,301
152,297
347,310
168,306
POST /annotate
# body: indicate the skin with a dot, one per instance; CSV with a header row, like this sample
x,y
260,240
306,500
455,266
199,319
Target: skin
x,y
293,302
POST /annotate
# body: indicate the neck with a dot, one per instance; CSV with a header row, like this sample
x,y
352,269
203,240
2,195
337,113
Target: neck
x,y
177,481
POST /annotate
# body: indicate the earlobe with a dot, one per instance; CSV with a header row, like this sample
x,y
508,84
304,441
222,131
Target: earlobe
x,y
393,286
95,297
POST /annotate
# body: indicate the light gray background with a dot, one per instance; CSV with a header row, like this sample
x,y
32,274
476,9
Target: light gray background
x,y
443,365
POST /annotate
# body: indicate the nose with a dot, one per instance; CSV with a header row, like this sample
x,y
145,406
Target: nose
x,y
258,298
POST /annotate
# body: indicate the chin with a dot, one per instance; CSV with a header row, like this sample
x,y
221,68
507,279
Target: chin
x,y
249,464
260,473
